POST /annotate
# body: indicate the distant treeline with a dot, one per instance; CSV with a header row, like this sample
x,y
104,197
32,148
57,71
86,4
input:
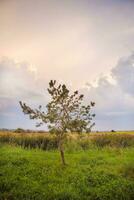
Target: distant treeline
x,y
21,130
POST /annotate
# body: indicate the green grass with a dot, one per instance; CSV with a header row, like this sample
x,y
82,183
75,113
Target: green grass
x,y
94,174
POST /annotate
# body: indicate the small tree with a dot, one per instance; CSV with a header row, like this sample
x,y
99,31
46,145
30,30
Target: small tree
x,y
64,113
19,130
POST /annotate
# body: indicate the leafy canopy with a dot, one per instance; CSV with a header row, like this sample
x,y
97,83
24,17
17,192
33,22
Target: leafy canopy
x,y
65,112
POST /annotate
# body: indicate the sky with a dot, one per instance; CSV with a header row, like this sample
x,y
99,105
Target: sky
x,y
88,45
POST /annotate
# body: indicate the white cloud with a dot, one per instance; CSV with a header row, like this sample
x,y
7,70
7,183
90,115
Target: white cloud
x,y
18,81
123,73
114,99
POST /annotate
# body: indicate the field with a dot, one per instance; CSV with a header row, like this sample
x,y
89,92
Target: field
x,y
99,167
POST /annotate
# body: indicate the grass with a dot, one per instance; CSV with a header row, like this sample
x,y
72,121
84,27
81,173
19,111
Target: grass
x,y
93,174
83,141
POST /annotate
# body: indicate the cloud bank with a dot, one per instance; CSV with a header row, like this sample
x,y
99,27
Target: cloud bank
x,y
18,82
113,94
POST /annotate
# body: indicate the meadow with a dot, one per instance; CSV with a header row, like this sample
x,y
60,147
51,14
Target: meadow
x,y
100,166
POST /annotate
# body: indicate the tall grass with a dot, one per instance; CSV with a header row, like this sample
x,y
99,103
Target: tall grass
x,y
114,140
73,142
30,140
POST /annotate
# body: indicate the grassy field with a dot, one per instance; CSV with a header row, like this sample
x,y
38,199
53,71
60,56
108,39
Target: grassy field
x,y
96,169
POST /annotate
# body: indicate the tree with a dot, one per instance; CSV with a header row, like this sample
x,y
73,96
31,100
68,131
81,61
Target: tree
x,y
64,113
19,130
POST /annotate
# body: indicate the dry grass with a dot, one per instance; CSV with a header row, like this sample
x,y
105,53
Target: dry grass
x,y
76,141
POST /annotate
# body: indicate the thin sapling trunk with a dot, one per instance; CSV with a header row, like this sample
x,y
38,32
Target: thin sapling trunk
x,y
61,149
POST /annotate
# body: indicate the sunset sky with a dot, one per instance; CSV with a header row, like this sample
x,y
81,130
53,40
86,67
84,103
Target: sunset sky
x,y
87,44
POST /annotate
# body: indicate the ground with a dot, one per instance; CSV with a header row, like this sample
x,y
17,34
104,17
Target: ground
x,y
95,174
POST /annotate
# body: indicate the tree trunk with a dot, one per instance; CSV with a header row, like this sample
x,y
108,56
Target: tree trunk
x,y
62,152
